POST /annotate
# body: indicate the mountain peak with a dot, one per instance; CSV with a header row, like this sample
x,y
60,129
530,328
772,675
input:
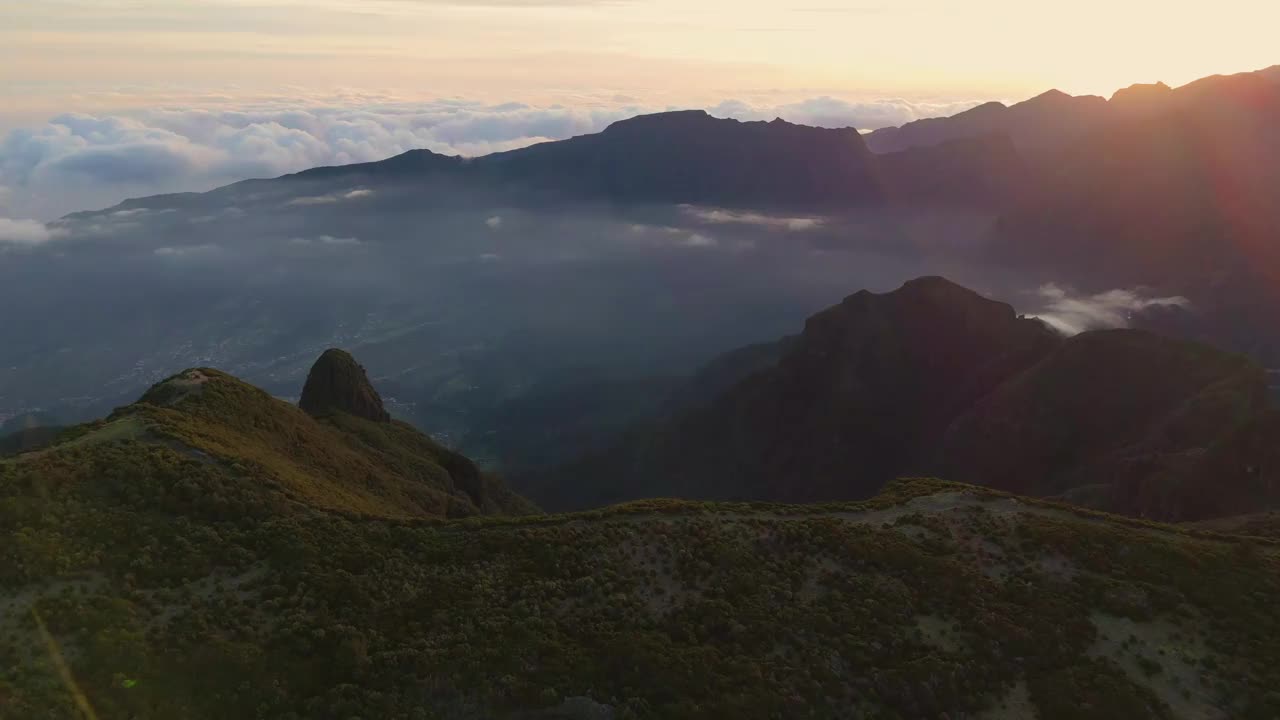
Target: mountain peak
x,y
933,284
934,293
1142,97
338,382
1050,95
674,119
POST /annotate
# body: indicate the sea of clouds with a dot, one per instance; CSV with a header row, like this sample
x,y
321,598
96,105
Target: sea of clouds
x,y
79,161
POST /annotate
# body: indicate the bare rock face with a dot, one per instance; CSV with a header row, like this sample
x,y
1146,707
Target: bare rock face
x,y
338,383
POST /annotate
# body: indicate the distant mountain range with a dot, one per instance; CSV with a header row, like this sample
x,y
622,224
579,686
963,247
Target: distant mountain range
x,y
1054,120
933,379
473,284
1175,187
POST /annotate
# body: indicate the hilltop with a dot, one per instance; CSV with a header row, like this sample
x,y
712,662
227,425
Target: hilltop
x,y
205,433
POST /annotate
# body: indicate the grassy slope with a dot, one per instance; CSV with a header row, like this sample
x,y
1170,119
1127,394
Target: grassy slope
x,y
175,593
209,422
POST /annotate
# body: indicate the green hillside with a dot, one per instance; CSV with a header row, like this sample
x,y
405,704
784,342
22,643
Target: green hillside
x,y
174,589
204,434
213,552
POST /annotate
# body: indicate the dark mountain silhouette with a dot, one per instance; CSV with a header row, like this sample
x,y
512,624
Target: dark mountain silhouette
x,y
849,404
1186,192
1055,121
691,157
982,171
1118,419
1181,199
1046,120
338,383
935,379
674,157
1141,99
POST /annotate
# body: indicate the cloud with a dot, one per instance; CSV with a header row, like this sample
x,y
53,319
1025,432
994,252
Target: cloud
x,y
826,111
324,240
1072,314
23,232
186,251
494,222
79,161
229,213
668,236
720,217
331,197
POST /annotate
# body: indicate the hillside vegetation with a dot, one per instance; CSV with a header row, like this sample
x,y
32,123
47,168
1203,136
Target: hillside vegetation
x,y
212,552
175,579
260,454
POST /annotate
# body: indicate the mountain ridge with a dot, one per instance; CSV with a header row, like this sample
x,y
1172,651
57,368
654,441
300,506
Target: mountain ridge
x,y
934,379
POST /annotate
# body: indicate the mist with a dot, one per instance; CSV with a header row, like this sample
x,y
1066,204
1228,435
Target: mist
x,y
459,299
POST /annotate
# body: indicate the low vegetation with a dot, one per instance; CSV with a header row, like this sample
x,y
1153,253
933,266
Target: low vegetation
x,y
175,578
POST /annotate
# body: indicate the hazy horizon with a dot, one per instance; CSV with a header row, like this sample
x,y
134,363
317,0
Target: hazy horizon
x,y
108,99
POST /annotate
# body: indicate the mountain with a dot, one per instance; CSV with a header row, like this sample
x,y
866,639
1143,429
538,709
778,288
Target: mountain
x,y
933,378
1119,419
337,383
1185,192
847,406
932,600
1180,200
683,156
258,454
691,157
985,171
1142,99
1046,120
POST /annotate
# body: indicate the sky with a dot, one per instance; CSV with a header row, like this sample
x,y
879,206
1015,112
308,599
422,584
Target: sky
x,y
100,99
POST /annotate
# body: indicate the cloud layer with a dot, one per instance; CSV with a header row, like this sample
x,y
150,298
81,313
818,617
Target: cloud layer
x,y
78,161
22,232
1072,314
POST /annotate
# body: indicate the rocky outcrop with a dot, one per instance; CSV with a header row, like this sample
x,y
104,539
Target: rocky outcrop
x,y
338,383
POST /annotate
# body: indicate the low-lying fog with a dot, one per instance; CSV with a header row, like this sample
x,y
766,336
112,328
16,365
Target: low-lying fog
x,y
453,302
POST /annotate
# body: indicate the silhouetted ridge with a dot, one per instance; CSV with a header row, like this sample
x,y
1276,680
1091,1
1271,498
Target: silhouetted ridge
x,y
338,382
674,120
858,398
411,163
934,378
689,156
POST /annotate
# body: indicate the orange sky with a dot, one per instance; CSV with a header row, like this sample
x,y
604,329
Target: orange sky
x,y
58,55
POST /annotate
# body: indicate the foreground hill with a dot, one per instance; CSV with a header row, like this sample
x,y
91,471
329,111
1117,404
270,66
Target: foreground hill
x,y
933,600
934,378
256,454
